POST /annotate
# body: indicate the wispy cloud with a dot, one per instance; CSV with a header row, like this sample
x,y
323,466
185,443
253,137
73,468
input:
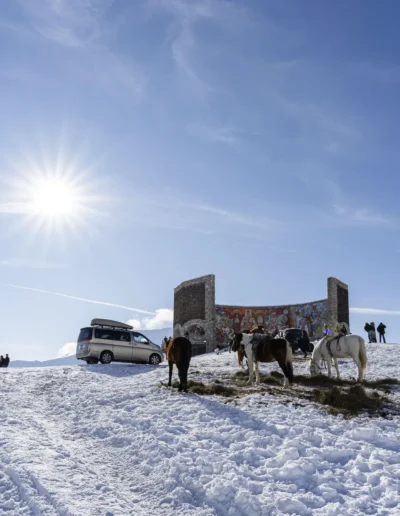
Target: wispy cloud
x,y
373,311
203,218
83,26
182,49
234,217
374,71
318,117
70,23
224,135
186,49
361,216
103,303
31,264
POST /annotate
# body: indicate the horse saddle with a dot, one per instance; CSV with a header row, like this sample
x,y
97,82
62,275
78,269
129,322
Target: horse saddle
x,y
331,340
257,337
261,348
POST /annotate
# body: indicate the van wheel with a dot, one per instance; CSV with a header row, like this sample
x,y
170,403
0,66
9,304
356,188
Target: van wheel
x,y
106,357
154,359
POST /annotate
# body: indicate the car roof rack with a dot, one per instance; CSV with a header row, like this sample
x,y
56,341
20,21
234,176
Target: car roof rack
x,y
108,323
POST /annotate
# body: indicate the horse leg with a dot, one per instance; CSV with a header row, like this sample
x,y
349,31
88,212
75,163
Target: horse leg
x,y
181,375
171,366
360,371
282,364
335,361
250,365
184,379
257,373
329,365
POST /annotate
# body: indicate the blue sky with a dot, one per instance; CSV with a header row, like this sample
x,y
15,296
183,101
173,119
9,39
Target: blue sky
x,y
254,140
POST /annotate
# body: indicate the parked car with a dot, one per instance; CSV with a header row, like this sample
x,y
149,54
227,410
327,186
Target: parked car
x,y
109,341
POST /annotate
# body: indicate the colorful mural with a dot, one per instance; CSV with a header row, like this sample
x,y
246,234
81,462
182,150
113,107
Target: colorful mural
x,y
311,317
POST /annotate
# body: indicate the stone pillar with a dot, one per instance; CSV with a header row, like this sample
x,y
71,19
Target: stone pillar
x,y
338,303
194,312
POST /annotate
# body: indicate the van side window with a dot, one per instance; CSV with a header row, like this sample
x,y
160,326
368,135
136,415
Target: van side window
x,y
105,334
140,339
122,336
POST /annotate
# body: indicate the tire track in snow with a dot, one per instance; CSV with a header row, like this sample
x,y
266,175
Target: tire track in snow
x,y
137,449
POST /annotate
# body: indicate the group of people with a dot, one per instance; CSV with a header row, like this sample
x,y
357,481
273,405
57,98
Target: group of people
x,y
370,329
4,361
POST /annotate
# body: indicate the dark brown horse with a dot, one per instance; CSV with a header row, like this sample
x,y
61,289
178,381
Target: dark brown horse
x,y
260,348
179,352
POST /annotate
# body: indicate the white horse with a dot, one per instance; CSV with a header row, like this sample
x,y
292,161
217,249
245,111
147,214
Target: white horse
x,y
346,346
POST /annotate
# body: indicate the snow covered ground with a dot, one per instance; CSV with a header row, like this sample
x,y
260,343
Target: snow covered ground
x,y
107,440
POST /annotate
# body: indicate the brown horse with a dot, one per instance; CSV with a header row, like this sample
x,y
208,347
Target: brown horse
x,y
179,352
260,348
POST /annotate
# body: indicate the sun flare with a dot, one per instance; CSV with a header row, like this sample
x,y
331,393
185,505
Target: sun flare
x,y
54,198
57,197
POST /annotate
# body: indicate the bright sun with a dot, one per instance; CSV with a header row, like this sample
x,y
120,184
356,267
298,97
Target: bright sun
x,y
54,198
57,197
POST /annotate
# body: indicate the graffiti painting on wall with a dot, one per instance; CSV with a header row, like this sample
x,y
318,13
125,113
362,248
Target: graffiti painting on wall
x,y
310,317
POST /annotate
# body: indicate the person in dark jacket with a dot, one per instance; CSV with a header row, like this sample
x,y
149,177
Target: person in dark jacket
x,y
381,330
1,361
373,334
6,361
370,330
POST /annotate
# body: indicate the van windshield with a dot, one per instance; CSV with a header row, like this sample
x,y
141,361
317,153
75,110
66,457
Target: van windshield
x,y
85,334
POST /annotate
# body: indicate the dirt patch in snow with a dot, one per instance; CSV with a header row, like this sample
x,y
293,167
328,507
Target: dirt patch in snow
x,y
341,396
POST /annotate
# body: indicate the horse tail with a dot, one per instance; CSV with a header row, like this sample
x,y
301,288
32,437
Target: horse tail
x,y
288,361
362,354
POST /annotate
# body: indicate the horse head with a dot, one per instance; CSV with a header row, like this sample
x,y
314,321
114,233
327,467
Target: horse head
x,y
316,359
237,340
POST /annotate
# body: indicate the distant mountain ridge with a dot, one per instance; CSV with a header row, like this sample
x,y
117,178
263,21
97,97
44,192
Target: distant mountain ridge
x,y
155,336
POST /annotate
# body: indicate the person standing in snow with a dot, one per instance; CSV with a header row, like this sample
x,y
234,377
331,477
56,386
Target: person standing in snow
x,y
381,330
6,361
165,344
368,328
1,361
373,332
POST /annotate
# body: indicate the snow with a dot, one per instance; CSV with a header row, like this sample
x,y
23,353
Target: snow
x,y
108,440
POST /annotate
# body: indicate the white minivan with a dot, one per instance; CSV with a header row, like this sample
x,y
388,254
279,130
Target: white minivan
x,y
108,341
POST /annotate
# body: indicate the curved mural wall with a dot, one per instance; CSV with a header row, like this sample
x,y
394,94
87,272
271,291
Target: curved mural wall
x,y
207,324
311,317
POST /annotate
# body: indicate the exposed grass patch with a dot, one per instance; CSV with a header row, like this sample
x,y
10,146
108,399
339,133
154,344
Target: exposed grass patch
x,y
320,379
349,402
211,389
270,379
324,380
241,374
382,382
242,380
